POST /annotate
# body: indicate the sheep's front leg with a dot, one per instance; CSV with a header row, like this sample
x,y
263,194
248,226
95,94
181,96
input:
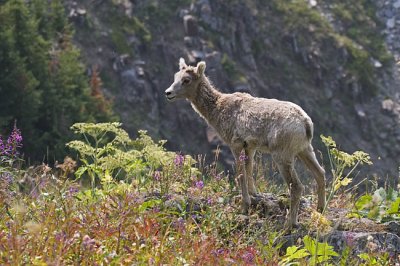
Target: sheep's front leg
x,y
243,179
249,171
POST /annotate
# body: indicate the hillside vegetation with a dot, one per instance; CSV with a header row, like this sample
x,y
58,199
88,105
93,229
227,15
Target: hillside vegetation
x,y
145,205
84,179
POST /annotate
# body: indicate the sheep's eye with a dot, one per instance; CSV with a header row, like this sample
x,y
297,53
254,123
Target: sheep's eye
x,y
185,81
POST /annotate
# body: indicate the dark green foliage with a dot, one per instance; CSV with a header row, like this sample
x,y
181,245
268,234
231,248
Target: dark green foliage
x,y
43,85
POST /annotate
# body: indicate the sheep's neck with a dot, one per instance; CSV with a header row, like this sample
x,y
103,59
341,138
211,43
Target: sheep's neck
x,y
205,101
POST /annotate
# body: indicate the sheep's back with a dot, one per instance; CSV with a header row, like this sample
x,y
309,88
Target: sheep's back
x,y
271,124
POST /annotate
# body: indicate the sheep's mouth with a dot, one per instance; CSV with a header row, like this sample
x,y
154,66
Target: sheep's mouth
x,y
170,98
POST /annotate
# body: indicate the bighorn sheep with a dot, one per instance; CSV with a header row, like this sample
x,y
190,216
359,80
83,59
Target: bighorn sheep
x,y
248,124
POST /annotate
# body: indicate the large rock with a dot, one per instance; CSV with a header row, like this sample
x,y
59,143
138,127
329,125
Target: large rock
x,y
360,234
190,25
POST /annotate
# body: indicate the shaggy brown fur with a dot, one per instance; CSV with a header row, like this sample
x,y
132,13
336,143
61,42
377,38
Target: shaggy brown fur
x,y
249,124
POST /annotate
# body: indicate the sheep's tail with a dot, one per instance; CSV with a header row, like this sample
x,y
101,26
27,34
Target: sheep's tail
x,y
309,130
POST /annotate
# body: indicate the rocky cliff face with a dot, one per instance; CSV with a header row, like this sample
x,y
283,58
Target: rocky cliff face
x,y
330,58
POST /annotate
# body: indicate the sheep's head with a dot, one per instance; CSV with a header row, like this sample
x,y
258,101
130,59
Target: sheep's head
x,y
186,80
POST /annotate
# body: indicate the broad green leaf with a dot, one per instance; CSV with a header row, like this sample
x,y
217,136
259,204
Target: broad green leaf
x,y
325,251
309,244
294,252
394,207
363,202
373,213
81,170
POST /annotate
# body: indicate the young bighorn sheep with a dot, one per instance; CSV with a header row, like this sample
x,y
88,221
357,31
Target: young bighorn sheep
x,y
248,124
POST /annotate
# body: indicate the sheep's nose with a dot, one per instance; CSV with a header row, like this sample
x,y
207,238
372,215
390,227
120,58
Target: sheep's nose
x,y
167,93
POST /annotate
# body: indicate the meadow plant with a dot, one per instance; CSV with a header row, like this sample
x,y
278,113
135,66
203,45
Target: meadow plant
x,y
382,205
107,154
9,156
9,150
342,165
169,214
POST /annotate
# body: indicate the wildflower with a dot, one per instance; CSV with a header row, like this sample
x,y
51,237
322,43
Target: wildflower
x,y
14,142
60,236
88,243
209,201
15,137
157,175
180,224
199,184
243,157
72,190
6,179
168,196
218,177
2,146
350,237
218,252
248,257
179,159
196,217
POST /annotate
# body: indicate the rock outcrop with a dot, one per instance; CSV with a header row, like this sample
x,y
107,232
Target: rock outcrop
x,y
256,48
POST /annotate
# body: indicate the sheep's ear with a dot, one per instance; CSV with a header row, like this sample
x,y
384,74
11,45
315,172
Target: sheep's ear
x,y
201,67
182,63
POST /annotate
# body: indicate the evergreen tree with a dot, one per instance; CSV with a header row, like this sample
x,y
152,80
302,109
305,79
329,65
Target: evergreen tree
x,y
20,48
43,84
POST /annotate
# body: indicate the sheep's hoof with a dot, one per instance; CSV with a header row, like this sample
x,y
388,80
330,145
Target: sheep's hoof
x,y
245,207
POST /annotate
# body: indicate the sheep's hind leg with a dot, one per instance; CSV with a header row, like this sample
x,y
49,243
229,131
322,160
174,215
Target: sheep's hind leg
x,y
309,159
286,168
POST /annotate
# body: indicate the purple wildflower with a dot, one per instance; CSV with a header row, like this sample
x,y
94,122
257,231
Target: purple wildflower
x,y
209,201
218,252
6,179
9,224
243,157
218,177
168,196
88,243
179,159
2,147
15,137
199,184
157,175
60,236
72,190
180,224
248,257
14,142
350,238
